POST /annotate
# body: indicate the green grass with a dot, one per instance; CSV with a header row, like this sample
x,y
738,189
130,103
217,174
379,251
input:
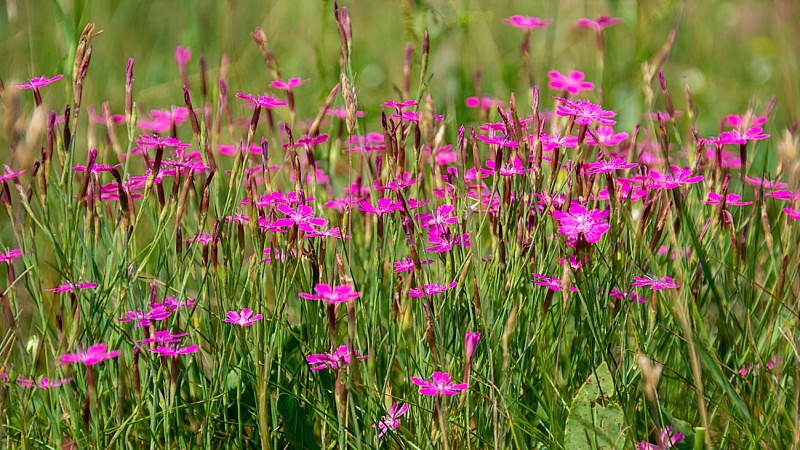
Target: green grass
x,y
552,369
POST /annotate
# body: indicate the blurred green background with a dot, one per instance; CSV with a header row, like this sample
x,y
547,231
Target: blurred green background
x,y
732,54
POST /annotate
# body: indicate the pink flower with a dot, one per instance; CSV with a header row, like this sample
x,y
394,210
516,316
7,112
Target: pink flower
x,y
174,350
334,360
440,384
10,255
656,284
399,105
403,181
730,199
736,137
554,141
431,290
391,420
744,120
621,295
582,222
331,294
70,287
262,100
600,23
10,174
93,355
302,216
482,102
678,177
527,22
603,166
442,218
289,84
385,205
182,56
606,137
764,182
502,141
173,304
245,318
39,82
666,439
585,112
471,340
572,83
552,283
407,265
781,194
157,141
792,213
163,337
444,240
46,383
142,319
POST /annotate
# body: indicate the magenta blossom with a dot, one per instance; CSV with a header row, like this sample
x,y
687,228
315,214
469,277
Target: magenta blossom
x,y
585,112
621,295
70,287
656,284
407,265
600,23
606,137
143,319
331,294
579,222
678,177
262,100
482,102
572,83
10,255
471,339
666,438
391,420
552,283
603,166
527,22
334,360
174,350
440,384
93,355
289,84
10,174
39,82
502,141
730,199
302,216
384,206
554,141
158,141
431,290
163,337
245,318
182,56
792,213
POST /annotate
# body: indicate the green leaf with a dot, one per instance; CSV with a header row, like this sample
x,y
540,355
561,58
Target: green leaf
x,y
594,421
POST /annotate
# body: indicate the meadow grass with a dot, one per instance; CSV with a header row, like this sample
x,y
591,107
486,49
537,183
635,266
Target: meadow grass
x,y
411,231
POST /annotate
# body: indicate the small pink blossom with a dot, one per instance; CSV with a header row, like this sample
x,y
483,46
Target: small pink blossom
x,y
70,287
384,206
10,174
163,337
552,283
606,137
245,318
143,318
599,24
431,290
792,213
440,384
502,141
334,360
482,102
407,265
174,350
93,355
554,141
603,166
527,22
573,83
331,294
182,56
289,84
585,112
655,284
666,438
678,177
631,295
730,199
39,82
262,100
579,222
471,339
158,141
10,255
391,420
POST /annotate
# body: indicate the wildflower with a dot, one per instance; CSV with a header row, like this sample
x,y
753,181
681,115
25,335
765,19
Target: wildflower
x,y
599,24
482,102
93,355
572,83
554,141
764,182
399,106
730,199
302,216
334,360
603,166
262,100
440,384
407,265
245,318
70,287
10,174
335,233
471,339
444,241
279,255
331,294
174,350
39,82
606,137
173,304
502,141
431,290
792,213
527,22
781,194
585,112
10,255
158,141
182,56
46,383
552,283
384,206
442,218
391,419
289,84
736,137
403,181
656,284
582,222
666,439
142,319
621,295
163,337
744,120
678,177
